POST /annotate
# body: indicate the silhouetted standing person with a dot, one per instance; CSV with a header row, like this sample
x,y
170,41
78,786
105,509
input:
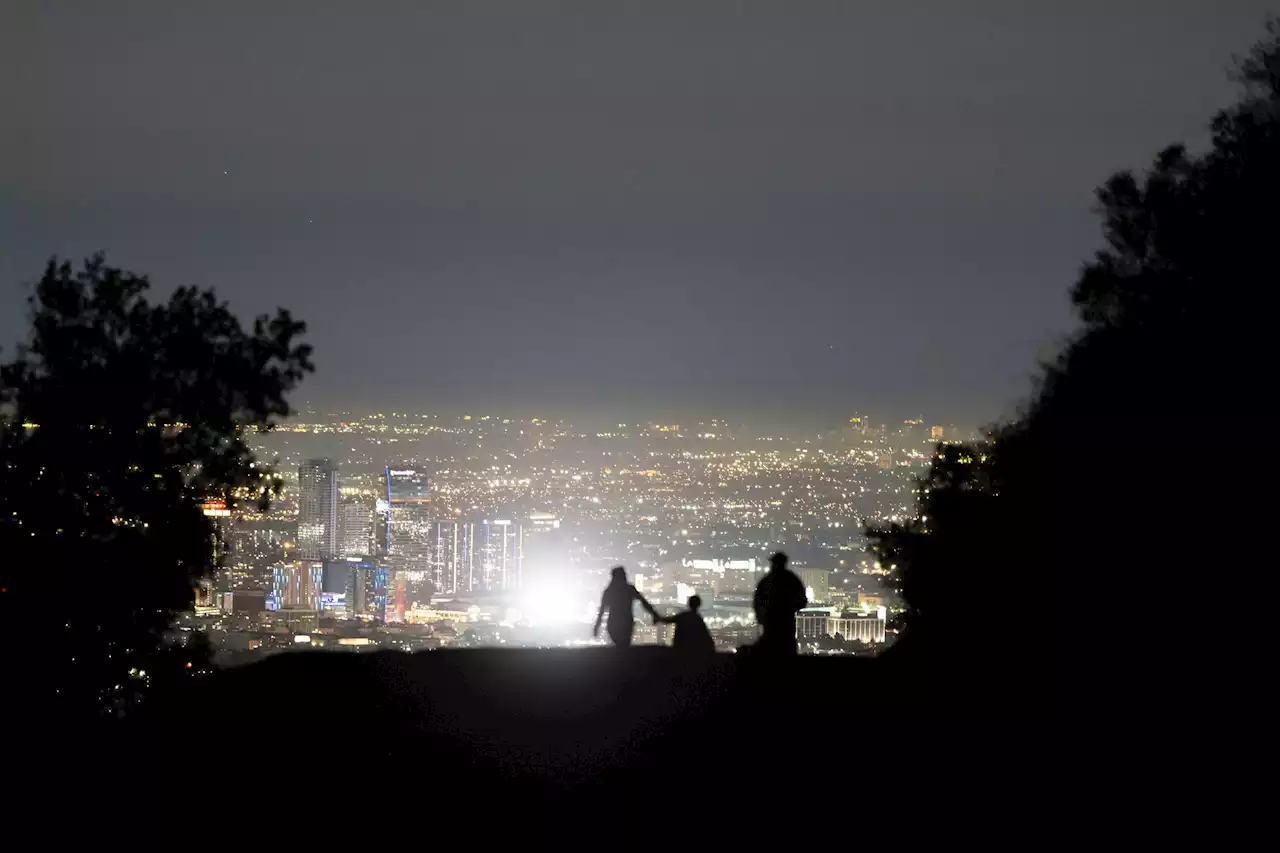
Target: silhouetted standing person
x,y
692,636
779,595
617,599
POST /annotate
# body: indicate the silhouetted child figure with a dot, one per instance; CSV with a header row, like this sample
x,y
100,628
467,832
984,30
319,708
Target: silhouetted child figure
x,y
617,599
692,637
779,595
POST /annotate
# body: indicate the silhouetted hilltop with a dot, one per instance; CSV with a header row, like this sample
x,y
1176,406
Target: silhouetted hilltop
x,y
510,745
560,717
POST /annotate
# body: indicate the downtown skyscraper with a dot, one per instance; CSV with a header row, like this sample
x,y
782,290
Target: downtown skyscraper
x,y
498,555
476,556
355,527
451,550
317,510
409,511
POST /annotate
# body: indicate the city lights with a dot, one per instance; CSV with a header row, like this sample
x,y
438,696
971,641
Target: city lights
x,y
433,532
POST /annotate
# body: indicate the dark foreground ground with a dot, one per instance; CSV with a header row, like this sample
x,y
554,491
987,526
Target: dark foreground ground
x,y
530,719
500,744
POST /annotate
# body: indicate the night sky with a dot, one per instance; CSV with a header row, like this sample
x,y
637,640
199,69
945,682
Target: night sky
x,y
799,209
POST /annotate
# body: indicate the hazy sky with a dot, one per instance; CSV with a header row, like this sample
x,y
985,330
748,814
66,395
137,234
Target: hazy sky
x,y
649,207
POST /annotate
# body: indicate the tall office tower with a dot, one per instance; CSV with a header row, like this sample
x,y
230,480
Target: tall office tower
x,y
355,527
317,510
498,547
450,551
408,519
545,552
220,519
254,546
381,527
297,585
817,584
397,597
366,595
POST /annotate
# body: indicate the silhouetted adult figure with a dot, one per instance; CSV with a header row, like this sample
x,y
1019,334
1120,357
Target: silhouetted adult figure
x,y
779,595
617,599
692,636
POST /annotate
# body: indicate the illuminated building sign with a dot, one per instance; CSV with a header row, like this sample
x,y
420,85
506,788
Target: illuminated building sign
x,y
215,509
719,565
407,485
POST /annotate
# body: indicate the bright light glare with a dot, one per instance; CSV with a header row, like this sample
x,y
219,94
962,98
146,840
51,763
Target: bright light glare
x,y
551,604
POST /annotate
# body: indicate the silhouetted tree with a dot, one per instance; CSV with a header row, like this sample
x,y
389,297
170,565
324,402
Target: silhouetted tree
x,y
1086,511
120,417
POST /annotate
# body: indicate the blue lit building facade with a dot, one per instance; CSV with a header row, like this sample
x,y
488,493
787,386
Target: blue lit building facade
x,y
367,582
297,585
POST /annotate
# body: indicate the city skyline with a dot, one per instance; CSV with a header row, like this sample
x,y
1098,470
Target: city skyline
x,y
463,532
484,531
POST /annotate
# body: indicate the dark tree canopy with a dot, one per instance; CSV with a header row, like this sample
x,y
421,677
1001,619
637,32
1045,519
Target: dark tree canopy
x,y
120,417
1088,511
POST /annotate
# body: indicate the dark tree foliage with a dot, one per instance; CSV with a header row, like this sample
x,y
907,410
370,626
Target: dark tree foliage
x,y
1089,512
120,417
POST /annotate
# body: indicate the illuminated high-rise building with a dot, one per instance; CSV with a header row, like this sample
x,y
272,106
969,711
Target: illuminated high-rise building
x,y
254,546
355,527
366,594
297,585
817,584
545,551
475,556
451,550
408,518
220,520
317,509
381,526
498,562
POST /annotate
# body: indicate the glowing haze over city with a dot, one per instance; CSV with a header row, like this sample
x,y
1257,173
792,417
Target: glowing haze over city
x,y
421,531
